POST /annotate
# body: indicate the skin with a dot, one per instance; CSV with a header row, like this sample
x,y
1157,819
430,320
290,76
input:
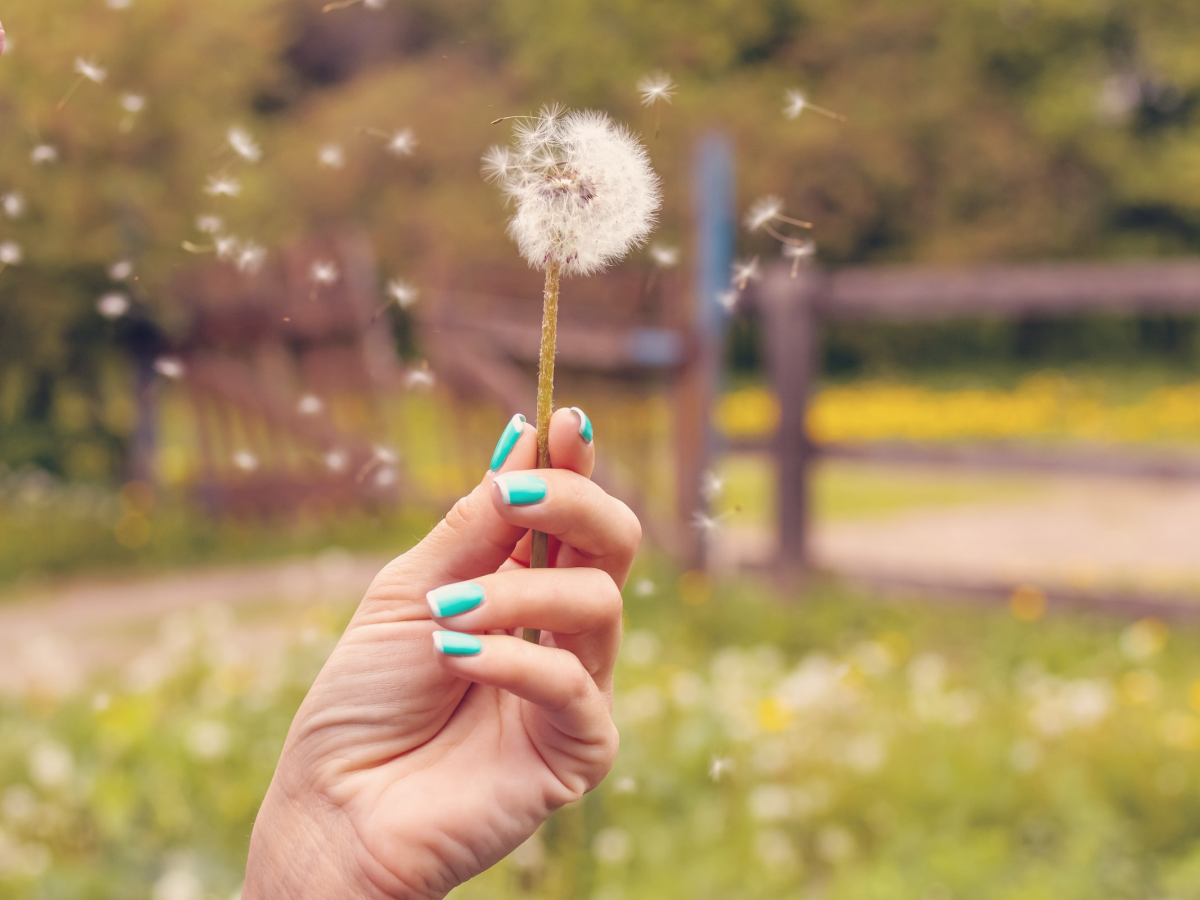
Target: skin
x,y
407,772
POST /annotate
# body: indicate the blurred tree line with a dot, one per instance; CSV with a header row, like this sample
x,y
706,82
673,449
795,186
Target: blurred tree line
x,y
978,130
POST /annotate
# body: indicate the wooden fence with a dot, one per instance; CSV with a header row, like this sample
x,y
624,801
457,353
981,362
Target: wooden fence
x,y
794,308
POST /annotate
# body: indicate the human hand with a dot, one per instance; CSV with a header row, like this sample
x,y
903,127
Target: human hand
x,y
413,763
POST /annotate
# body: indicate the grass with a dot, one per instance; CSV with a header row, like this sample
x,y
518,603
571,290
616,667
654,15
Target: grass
x,y
865,750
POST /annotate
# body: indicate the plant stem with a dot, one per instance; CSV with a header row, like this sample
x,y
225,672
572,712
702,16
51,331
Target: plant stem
x,y
539,551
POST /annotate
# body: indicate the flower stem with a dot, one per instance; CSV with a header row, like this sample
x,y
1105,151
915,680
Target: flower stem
x,y
539,552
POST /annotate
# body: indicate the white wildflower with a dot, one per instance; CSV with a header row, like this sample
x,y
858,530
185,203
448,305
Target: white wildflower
x,y
250,258
209,224
402,292
309,405
10,254
402,143
120,270
113,306
170,367
133,103
745,271
222,186
331,156
244,145
664,257
14,205
655,87
324,272
90,70
583,189
44,153
245,460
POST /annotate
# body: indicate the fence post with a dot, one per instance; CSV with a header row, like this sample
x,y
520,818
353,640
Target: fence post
x,y
790,322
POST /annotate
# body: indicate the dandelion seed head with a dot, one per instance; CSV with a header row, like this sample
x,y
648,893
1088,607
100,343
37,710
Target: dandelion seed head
x,y
335,460
803,250
794,103
120,270
243,144
222,186
655,87
582,186
245,460
113,305
309,405
762,211
133,103
250,258
90,70
209,224
331,156
402,143
44,153
11,253
402,292
14,204
324,272
170,367
664,257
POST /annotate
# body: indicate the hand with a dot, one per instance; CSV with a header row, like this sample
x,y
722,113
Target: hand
x,y
409,769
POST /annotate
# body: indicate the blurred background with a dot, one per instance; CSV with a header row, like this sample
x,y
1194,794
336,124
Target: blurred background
x,y
913,613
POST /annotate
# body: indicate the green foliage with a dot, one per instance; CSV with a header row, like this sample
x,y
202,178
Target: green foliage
x,y
869,750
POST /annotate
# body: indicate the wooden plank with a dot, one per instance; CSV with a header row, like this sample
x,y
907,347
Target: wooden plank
x,y
1052,289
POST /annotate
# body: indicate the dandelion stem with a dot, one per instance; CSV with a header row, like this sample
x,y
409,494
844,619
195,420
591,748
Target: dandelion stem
x,y
657,120
539,553
781,237
341,4
820,110
196,248
800,222
70,92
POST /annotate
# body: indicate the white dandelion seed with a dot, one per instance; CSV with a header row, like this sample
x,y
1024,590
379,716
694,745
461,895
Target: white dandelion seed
x,y
309,405
14,204
120,270
245,460
222,186
375,4
402,143
209,224
728,300
44,153
170,367
133,103
719,767
227,246
250,258
745,271
763,210
583,189
402,292
710,525
11,254
331,156
243,144
323,272
89,70
120,4
419,378
664,257
795,103
711,485
385,456
655,87
336,460
113,305
385,477
799,253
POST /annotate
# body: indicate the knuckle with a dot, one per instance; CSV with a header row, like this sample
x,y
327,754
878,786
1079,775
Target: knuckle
x,y
608,597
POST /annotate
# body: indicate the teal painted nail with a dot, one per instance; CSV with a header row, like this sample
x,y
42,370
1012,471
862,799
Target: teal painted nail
x,y
585,425
454,599
521,490
455,643
508,440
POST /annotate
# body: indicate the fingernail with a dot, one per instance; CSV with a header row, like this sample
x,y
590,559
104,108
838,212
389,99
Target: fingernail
x,y
455,643
508,440
585,424
521,490
454,599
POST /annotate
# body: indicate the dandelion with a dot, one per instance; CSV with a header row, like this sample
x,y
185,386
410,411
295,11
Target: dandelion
x,y
796,103
331,156
87,71
323,272
209,224
654,88
10,255
244,145
402,292
585,195
309,405
120,270
245,460
44,153
335,460
14,204
402,143
113,305
745,271
222,186
170,367
250,258
798,253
